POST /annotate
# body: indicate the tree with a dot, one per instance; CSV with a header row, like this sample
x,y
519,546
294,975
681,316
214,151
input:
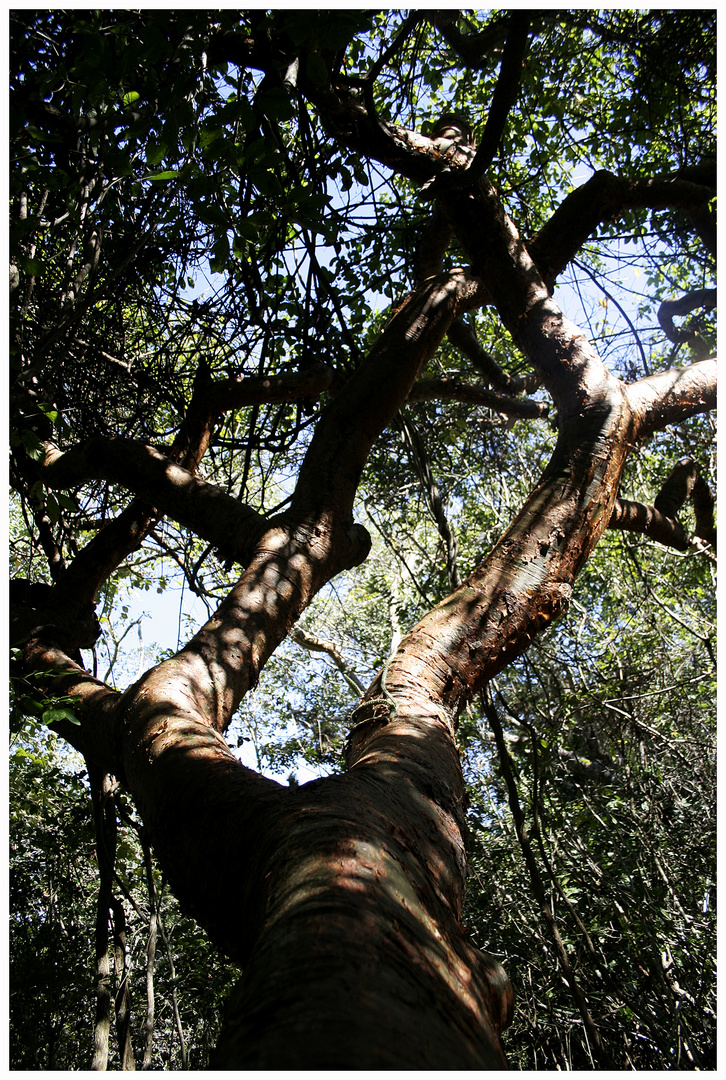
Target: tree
x,y
55,899
231,433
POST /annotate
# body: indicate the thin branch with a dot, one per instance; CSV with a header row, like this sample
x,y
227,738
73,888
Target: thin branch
x,y
505,93
122,1000
105,826
116,645
155,924
395,47
418,454
463,336
537,884
453,388
315,644
150,958
609,296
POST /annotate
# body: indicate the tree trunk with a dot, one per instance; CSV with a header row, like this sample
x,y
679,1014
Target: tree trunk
x,y
105,815
360,960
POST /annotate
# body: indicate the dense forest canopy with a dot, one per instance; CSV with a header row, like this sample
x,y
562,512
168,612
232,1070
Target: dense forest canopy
x,y
389,338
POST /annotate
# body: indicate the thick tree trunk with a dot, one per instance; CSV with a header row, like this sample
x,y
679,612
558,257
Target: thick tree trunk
x,y
360,961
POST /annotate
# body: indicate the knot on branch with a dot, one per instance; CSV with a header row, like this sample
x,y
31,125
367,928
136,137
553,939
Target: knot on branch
x,y
359,540
499,991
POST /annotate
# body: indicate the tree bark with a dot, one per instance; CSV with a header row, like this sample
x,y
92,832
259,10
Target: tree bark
x,y
105,815
360,960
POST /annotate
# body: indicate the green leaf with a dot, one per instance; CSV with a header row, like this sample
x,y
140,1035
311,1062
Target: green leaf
x,y
265,182
168,174
130,99
34,448
52,508
50,412
213,215
155,152
220,255
67,501
250,228
54,714
32,267
276,105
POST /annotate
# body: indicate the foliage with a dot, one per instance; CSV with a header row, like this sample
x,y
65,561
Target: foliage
x,y
610,726
53,896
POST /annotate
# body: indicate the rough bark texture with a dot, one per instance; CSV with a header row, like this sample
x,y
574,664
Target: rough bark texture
x,y
360,944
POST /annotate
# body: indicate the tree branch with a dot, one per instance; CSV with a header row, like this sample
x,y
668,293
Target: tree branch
x,y
373,395
453,388
212,398
99,558
95,563
683,305
432,246
602,198
412,19
672,396
122,1001
629,516
462,335
105,823
475,50
201,507
659,522
315,644
505,93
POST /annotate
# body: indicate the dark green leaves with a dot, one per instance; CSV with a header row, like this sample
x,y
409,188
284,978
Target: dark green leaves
x,y
316,69
58,713
167,174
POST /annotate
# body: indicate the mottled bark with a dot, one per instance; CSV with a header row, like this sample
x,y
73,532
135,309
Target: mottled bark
x,y
672,396
360,960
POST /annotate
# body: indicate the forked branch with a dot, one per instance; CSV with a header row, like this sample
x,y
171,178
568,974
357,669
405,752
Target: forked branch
x,y
659,522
